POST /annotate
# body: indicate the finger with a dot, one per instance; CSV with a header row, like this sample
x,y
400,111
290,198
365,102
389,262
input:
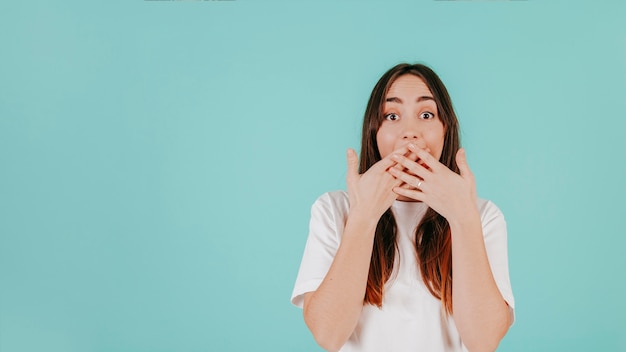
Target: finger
x,y
410,155
353,166
420,161
406,185
405,152
412,166
425,156
410,193
388,161
420,143
461,161
411,180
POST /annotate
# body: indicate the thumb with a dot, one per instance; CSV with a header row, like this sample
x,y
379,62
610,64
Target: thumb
x,y
353,166
461,161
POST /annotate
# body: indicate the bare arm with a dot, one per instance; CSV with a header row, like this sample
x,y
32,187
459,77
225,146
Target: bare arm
x,y
480,313
333,310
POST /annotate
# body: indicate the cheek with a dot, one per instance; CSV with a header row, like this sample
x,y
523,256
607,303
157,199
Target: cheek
x,y
385,141
435,141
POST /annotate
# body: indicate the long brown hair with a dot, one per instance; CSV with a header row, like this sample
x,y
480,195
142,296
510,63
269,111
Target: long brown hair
x,y
432,237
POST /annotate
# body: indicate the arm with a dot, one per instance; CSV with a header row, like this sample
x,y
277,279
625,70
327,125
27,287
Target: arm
x,y
332,311
480,313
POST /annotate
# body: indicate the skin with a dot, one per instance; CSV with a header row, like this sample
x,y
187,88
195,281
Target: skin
x,y
410,143
410,117
480,313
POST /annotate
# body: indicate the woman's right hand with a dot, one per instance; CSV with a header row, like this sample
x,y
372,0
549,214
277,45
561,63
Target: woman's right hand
x,y
371,193
332,311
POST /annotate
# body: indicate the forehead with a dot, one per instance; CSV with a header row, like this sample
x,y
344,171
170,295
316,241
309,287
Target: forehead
x,y
408,85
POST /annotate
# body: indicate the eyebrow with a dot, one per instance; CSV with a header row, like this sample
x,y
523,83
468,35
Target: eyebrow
x,y
398,100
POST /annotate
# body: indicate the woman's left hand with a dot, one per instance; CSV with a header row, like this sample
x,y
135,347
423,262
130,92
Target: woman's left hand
x,y
447,192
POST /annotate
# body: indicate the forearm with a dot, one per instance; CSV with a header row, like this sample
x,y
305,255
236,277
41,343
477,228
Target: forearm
x,y
480,313
333,310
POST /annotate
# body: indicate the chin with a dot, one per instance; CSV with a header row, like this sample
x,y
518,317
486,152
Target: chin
x,y
406,199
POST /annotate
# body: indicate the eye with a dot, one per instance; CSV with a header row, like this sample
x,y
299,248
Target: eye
x,y
392,116
427,115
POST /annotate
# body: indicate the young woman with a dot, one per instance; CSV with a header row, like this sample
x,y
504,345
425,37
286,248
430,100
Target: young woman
x,y
409,259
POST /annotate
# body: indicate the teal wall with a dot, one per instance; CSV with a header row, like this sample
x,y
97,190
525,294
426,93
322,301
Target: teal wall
x,y
158,160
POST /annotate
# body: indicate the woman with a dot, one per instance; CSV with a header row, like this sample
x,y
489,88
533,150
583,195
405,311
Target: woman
x,y
377,271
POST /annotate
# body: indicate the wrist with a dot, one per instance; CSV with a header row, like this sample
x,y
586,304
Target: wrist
x,y
467,218
359,217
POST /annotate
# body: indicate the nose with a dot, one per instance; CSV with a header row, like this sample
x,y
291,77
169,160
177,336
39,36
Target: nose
x,y
411,130
412,133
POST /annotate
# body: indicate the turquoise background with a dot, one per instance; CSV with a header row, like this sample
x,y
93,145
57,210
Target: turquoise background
x,y
158,160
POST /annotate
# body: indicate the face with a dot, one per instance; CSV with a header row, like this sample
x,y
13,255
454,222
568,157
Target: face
x,y
410,116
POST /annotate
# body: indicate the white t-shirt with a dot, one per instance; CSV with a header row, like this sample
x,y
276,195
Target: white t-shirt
x,y
411,318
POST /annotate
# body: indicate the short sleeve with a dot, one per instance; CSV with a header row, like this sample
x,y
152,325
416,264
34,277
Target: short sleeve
x,y
328,217
495,237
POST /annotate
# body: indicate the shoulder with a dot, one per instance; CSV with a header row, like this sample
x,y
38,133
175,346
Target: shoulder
x,y
488,210
330,211
492,220
336,201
